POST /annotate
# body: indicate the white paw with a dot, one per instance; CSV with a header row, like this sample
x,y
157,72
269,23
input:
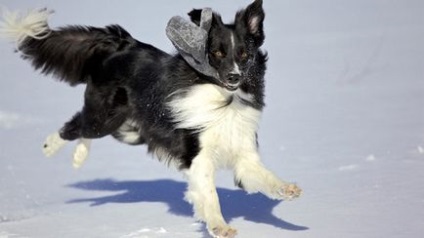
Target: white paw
x,y
223,231
53,144
81,153
289,191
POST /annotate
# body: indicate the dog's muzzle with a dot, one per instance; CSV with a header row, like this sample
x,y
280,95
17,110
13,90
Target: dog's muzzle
x,y
233,81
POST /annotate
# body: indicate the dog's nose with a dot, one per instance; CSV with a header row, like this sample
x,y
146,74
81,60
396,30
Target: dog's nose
x,y
233,78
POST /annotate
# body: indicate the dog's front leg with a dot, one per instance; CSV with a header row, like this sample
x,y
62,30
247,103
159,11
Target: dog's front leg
x,y
252,176
202,194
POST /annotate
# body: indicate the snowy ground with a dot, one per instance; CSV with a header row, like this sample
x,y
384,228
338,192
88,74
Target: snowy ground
x,y
344,119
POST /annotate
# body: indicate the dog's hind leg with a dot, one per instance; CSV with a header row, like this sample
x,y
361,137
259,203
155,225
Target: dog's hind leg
x,y
72,130
81,152
69,132
98,118
203,195
53,144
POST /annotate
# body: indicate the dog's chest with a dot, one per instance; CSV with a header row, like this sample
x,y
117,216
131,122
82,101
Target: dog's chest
x,y
232,134
226,123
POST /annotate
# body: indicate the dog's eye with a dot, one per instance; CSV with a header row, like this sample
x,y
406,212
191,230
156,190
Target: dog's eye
x,y
218,54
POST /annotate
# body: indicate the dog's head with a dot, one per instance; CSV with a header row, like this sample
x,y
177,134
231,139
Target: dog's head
x,y
231,48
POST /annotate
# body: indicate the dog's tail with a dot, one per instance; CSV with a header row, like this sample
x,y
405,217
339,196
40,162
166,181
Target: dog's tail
x,y
70,53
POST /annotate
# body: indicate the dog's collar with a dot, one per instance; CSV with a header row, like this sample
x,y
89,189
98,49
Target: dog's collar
x,y
190,40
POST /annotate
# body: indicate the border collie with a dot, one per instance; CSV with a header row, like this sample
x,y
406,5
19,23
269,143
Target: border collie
x,y
141,95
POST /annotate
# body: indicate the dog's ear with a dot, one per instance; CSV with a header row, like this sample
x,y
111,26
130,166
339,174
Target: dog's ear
x,y
195,16
252,19
217,20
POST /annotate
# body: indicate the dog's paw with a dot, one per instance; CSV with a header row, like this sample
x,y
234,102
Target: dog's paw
x,y
81,153
289,191
223,231
53,144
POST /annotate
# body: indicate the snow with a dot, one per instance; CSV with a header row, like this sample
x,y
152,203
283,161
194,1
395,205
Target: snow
x,y
344,120
420,150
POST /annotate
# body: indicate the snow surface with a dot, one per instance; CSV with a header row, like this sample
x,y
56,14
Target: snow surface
x,y
344,119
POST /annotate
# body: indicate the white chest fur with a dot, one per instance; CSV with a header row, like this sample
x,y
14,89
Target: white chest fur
x,y
227,127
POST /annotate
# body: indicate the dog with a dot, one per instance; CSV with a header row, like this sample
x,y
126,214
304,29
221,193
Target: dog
x,y
141,95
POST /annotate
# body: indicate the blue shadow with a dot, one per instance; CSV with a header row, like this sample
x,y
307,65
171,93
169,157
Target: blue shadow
x,y
234,203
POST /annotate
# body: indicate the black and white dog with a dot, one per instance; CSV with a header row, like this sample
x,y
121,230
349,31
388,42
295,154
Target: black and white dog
x,y
142,95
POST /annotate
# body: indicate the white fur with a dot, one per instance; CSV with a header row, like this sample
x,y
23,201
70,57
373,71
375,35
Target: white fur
x,y
225,132
127,132
227,136
202,194
233,42
203,107
229,130
256,178
236,69
17,26
81,152
130,137
53,144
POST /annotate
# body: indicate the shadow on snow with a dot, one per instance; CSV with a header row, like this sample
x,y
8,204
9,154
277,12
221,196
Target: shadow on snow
x,y
234,203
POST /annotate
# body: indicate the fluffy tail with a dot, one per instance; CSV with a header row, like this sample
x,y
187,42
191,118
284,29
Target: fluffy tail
x,y
70,53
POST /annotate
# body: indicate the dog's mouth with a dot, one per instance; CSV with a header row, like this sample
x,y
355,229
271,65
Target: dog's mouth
x,y
231,84
231,87
225,84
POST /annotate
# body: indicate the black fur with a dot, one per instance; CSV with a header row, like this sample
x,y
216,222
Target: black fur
x,y
130,81
74,54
